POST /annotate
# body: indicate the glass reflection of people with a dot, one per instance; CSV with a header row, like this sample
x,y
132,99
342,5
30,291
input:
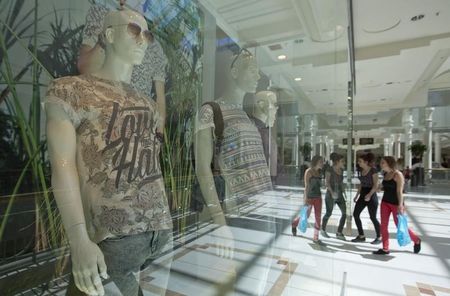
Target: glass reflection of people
x,y
241,160
105,165
264,111
152,69
334,179
313,195
367,197
393,203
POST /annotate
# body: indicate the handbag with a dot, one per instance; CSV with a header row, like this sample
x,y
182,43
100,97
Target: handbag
x,y
403,237
301,222
197,199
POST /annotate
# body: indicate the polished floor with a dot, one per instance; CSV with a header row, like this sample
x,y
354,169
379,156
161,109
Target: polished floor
x,y
268,260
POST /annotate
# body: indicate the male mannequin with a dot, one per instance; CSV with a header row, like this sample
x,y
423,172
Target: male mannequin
x,y
241,160
105,164
264,113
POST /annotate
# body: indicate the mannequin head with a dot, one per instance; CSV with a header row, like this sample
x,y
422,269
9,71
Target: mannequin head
x,y
126,36
244,72
265,107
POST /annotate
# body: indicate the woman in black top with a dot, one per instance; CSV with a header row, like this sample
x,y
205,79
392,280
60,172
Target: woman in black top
x,y
393,202
335,194
367,197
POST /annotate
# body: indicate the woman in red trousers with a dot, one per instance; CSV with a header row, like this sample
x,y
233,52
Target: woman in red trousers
x,y
313,195
393,202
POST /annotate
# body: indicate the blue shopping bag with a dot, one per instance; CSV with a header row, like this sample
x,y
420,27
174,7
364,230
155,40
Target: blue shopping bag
x,y
403,237
303,219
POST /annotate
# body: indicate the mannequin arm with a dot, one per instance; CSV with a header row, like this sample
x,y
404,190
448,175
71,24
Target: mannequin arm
x,y
203,147
87,258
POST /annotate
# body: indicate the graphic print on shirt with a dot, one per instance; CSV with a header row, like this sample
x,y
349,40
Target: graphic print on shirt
x,y
135,153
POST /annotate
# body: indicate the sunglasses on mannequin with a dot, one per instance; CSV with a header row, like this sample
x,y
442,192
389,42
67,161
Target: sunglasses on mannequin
x,y
135,31
243,51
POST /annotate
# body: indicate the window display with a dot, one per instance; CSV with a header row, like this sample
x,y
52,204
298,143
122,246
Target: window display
x,y
179,147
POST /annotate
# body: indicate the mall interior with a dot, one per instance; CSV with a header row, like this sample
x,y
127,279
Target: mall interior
x,y
225,147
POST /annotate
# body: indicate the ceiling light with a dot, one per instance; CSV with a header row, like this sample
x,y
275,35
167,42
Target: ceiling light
x,y
417,17
282,57
298,79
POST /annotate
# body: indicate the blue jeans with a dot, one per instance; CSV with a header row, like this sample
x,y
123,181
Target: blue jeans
x,y
125,257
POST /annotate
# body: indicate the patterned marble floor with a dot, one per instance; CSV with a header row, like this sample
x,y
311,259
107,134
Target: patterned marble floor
x,y
268,260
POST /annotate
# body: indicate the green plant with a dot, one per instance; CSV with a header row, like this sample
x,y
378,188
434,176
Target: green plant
x,y
54,59
182,93
417,149
306,150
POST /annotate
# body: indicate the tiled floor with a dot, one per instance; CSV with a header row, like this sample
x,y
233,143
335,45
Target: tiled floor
x,y
268,260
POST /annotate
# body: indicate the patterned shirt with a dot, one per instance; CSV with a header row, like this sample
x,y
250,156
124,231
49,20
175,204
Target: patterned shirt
x,y
242,161
153,65
117,155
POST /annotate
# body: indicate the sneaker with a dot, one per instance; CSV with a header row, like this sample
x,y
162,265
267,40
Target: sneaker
x,y
417,247
340,236
294,231
324,234
319,242
380,252
376,241
359,239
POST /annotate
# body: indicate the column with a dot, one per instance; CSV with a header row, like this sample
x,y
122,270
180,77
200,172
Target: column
x,y
326,149
320,142
331,143
408,124
300,156
428,142
437,148
398,146
391,145
313,130
387,143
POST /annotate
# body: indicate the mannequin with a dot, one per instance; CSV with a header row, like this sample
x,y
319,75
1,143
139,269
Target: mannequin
x,y
105,164
264,113
241,159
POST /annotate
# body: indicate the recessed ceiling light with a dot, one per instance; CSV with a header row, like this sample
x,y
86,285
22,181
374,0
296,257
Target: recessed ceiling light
x,y
282,57
417,17
298,79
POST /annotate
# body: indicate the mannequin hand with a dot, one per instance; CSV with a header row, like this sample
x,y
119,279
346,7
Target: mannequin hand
x,y
355,199
401,209
224,242
87,261
367,197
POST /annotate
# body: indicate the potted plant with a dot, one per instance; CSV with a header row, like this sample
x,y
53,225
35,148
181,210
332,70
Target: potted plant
x,y
417,149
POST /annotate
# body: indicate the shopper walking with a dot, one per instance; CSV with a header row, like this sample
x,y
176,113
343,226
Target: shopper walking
x,y
367,197
334,179
313,195
393,203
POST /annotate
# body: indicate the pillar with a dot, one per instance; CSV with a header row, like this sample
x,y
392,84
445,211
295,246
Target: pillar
x,y
387,143
408,124
313,130
398,146
428,142
437,148
391,145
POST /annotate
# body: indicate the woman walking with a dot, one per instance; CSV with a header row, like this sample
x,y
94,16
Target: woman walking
x,y
393,202
334,179
367,197
313,195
